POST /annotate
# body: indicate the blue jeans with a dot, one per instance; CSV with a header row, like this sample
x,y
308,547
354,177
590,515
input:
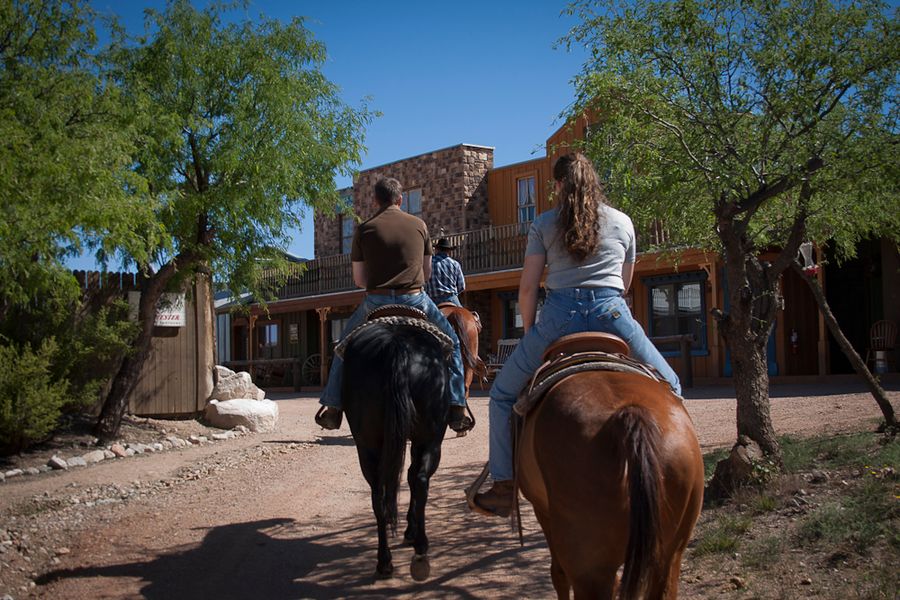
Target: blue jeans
x,y
331,395
448,298
568,310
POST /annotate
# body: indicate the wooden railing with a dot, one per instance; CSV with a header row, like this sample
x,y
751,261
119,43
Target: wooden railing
x,y
479,251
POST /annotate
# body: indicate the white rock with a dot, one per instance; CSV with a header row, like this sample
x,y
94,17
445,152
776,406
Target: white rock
x,y
14,473
76,461
108,454
130,452
32,471
157,447
93,457
227,435
57,463
256,415
236,386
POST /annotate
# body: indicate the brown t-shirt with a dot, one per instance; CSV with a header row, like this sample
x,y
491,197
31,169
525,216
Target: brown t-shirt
x,y
392,245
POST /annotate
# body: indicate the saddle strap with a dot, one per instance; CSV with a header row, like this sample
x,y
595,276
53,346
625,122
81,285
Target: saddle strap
x,y
428,326
553,371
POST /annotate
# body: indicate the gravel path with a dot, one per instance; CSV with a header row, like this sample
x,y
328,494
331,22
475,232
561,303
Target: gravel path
x,y
287,515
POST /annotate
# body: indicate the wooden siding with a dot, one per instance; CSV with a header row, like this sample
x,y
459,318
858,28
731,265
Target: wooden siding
x,y
562,139
502,189
177,376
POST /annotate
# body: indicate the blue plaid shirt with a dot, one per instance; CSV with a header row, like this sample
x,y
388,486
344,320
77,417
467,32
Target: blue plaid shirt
x,y
446,277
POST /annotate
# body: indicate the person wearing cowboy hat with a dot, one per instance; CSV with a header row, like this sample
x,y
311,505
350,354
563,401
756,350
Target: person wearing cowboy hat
x,y
447,281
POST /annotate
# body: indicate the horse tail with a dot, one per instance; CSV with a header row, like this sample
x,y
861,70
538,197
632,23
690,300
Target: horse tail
x,y
640,436
399,413
470,359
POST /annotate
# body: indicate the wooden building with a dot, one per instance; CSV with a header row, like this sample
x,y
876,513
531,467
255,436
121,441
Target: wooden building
x,y
486,211
177,377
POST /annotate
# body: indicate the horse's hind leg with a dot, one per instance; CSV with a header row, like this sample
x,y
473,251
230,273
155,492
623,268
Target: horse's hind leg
x,y
385,567
424,463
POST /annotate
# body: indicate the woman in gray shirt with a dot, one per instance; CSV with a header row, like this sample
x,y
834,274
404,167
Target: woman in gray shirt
x,y
589,250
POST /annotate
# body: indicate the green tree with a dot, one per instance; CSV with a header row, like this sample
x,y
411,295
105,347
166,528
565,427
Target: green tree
x,y
241,132
67,184
66,144
747,126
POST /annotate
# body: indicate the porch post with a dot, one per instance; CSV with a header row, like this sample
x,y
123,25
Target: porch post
x,y
323,342
250,330
823,333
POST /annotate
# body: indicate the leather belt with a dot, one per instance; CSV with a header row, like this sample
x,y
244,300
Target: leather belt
x,y
394,292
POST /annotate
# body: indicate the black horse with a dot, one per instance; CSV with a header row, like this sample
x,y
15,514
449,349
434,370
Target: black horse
x,y
396,387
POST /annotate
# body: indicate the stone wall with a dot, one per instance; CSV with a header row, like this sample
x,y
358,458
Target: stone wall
x,y
453,182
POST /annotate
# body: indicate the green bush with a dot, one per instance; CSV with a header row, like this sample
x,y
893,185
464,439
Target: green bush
x,y
30,396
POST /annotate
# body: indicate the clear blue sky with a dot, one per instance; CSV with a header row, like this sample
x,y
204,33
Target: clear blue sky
x,y
441,73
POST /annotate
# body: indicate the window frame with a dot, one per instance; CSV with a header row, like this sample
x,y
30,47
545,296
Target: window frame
x,y
700,347
406,205
533,205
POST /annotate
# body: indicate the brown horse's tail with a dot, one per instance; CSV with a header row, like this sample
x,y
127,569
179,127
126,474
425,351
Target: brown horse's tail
x,y
640,437
470,359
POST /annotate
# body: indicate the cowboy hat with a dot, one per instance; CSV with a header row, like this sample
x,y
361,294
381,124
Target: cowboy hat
x,y
444,244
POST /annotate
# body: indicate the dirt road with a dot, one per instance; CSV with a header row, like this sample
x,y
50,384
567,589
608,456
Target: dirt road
x,y
287,515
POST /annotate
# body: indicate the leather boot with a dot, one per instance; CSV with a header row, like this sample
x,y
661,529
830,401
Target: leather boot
x,y
498,500
458,421
329,417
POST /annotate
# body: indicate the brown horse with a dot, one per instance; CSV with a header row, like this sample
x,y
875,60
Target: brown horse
x,y
467,325
611,463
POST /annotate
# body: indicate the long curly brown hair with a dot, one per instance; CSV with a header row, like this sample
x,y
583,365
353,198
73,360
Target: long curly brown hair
x,y
580,200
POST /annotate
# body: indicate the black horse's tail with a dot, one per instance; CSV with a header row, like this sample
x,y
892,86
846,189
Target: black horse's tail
x,y
399,413
640,438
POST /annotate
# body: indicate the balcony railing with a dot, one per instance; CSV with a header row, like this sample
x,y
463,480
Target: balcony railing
x,y
478,251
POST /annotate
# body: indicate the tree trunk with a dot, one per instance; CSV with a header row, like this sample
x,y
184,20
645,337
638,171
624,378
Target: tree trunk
x,y
152,288
852,355
751,388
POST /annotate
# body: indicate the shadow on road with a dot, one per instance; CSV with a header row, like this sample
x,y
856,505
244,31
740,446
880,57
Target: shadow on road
x,y
472,557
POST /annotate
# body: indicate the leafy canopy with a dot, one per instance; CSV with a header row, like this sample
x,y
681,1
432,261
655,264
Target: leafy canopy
x,y
66,177
725,109
241,132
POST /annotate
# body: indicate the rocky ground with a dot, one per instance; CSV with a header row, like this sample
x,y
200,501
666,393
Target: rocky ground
x,y
287,514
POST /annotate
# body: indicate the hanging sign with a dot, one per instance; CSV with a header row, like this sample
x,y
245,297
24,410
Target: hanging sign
x,y
170,311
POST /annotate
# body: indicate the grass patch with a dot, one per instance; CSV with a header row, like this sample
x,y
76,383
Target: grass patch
x,y
762,553
722,536
838,451
857,521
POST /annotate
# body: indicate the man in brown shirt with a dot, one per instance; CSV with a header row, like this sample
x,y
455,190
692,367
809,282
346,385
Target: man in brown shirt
x,y
391,260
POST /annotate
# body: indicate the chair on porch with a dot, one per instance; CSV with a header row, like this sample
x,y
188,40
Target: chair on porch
x,y
882,338
495,362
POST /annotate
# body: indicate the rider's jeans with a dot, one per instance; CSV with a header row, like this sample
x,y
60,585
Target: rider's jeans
x,y
565,311
331,395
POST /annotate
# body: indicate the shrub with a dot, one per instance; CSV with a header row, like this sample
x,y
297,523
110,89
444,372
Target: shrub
x,y
30,396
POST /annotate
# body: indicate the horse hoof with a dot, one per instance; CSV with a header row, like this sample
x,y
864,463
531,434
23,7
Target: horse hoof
x,y
420,567
384,572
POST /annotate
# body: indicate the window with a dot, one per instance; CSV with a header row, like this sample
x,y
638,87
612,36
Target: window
x,y
267,340
412,202
348,225
677,305
337,329
512,316
526,199
347,222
